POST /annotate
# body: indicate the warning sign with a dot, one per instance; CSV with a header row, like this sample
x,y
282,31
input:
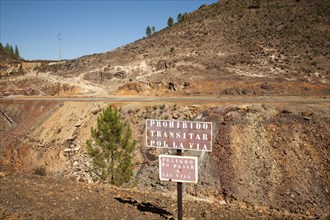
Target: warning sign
x,y
178,168
182,135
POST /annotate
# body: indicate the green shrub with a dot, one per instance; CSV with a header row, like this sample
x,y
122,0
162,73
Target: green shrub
x,y
111,148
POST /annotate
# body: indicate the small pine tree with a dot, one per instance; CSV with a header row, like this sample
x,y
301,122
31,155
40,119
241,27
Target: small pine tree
x,y
111,149
11,51
170,22
7,48
148,31
153,29
17,56
184,16
179,18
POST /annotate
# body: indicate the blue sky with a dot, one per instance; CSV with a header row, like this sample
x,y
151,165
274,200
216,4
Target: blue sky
x,y
86,26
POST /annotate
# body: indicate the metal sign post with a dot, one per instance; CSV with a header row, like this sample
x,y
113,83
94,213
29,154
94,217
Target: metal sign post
x,y
180,169
179,192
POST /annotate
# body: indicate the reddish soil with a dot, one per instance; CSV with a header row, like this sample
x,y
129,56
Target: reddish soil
x,y
270,158
268,161
42,197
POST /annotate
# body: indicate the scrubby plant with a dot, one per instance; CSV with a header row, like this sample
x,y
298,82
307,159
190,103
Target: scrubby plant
x,y
181,17
111,148
148,31
170,22
41,171
255,4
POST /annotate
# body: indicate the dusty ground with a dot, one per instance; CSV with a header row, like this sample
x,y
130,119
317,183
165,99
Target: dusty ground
x,y
42,197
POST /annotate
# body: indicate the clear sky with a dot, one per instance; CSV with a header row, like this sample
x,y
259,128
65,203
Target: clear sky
x,y
86,26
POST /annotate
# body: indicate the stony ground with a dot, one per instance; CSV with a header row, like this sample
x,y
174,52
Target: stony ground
x,y
270,158
43,197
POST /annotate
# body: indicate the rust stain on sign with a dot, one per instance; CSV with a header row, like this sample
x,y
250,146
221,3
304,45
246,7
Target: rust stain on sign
x,y
178,168
185,135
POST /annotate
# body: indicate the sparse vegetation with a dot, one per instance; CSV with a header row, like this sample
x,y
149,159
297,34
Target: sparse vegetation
x,y
148,31
170,22
181,17
111,148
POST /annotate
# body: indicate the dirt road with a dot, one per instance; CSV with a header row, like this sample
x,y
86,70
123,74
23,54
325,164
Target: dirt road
x,y
265,99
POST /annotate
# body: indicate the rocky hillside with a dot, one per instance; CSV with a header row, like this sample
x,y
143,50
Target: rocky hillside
x,y
227,48
270,154
265,158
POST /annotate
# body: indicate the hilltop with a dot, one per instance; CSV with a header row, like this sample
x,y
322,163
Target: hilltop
x,y
227,48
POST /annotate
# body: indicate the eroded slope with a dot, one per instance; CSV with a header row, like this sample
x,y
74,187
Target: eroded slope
x,y
266,156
